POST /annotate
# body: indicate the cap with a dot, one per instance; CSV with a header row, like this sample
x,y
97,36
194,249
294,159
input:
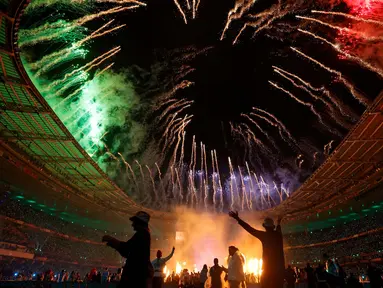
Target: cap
x,y
268,222
141,216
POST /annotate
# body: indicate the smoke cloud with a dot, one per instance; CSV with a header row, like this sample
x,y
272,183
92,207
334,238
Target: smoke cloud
x,y
204,236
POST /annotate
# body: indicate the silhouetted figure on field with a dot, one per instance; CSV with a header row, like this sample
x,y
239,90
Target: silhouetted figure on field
x,y
375,276
332,275
203,276
290,277
353,282
216,274
158,265
310,276
273,257
138,271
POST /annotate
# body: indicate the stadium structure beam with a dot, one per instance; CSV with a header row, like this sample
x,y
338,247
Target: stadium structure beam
x,y
76,177
352,162
9,18
14,81
23,108
62,159
364,140
5,51
42,137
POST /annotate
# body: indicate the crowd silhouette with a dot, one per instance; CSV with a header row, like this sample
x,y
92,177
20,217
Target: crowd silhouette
x,y
141,271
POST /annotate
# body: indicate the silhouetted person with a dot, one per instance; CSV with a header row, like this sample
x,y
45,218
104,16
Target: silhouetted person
x,y
375,276
203,276
216,274
138,270
273,257
332,272
353,282
158,265
342,275
290,277
310,276
98,277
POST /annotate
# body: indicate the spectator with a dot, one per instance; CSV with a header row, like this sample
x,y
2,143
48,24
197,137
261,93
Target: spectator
x,y
272,244
310,276
138,271
353,282
105,275
375,276
290,277
216,274
185,280
235,268
203,276
158,265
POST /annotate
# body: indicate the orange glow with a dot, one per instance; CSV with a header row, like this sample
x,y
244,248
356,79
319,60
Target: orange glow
x,y
166,272
178,268
253,266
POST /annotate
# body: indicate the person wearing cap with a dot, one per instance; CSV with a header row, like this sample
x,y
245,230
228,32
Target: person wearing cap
x,y
138,271
272,244
158,265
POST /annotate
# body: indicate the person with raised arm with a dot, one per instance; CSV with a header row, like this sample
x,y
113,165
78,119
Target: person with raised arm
x,y
216,274
273,267
159,265
138,271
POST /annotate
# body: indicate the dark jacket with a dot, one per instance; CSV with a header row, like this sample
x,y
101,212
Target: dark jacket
x,y
273,256
215,274
137,253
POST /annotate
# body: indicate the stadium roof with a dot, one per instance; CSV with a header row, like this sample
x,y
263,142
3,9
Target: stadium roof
x,y
31,131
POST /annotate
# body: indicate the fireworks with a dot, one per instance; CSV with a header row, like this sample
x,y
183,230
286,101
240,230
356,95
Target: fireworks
x,y
348,56
361,19
192,9
303,103
94,102
362,99
244,190
307,87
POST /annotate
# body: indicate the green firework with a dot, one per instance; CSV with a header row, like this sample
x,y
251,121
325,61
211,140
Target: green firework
x,y
97,106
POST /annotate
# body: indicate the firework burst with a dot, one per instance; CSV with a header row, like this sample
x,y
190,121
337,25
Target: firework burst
x,y
158,157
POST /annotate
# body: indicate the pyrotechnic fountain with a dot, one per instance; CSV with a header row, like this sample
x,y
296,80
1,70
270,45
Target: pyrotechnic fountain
x,y
94,102
203,236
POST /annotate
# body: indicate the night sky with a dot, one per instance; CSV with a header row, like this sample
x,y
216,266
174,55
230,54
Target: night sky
x,y
231,79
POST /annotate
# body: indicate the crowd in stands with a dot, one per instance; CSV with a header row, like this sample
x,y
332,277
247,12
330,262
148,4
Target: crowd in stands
x,y
351,228
355,249
48,244
14,209
308,246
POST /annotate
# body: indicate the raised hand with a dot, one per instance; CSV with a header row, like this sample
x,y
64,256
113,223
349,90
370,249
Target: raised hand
x,y
234,215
